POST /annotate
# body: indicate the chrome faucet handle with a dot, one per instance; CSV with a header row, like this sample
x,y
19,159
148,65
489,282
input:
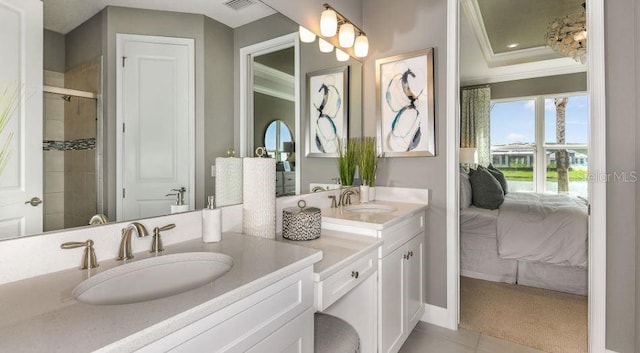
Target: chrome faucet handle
x,y
88,257
334,203
156,244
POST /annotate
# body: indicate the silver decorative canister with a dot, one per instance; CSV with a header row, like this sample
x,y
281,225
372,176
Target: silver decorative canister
x,y
300,223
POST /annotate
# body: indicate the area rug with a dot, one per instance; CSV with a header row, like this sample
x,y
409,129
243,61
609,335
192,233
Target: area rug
x,y
546,320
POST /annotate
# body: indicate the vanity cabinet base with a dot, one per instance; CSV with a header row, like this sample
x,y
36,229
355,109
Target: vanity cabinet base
x,y
278,318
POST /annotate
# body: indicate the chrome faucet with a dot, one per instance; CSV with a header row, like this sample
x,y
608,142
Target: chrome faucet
x,y
345,196
125,252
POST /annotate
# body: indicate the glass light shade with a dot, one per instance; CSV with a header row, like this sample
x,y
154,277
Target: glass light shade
x,y
324,46
328,23
361,47
347,35
306,36
341,55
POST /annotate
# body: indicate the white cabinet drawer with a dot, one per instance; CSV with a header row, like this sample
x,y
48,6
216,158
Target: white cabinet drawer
x,y
243,324
400,233
335,286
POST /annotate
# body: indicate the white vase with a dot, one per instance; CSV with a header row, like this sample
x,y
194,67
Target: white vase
x,y
372,193
364,193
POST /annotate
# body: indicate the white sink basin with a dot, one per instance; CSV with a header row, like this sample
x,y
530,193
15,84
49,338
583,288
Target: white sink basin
x,y
153,278
370,208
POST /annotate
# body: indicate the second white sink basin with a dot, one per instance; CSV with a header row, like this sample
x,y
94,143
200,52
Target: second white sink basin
x,y
370,208
153,278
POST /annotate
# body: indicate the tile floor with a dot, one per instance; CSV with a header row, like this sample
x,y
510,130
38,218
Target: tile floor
x,y
429,338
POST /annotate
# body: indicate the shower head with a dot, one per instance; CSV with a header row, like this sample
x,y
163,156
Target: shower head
x,y
66,98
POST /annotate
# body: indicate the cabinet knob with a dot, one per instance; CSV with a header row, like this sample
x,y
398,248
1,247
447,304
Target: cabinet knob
x,y
410,253
355,274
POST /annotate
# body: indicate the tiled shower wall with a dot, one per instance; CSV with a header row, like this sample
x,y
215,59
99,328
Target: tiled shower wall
x,y
80,157
53,160
69,154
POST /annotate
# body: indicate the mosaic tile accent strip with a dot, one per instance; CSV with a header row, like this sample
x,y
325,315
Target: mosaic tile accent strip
x,y
73,145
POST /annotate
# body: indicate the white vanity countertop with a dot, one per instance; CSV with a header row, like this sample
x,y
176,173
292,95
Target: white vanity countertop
x,y
339,249
40,315
377,221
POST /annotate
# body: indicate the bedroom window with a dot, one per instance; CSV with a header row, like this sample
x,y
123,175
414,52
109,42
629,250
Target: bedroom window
x,y
513,145
541,143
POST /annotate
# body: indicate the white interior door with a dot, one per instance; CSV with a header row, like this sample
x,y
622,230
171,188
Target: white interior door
x,y
156,113
21,137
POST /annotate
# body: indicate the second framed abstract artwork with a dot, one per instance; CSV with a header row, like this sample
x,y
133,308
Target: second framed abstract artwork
x,y
406,116
328,121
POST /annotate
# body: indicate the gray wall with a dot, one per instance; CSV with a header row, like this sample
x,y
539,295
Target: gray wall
x,y
53,51
86,41
218,95
540,86
622,96
637,218
417,24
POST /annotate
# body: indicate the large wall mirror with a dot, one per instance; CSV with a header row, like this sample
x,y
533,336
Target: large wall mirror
x,y
80,103
273,86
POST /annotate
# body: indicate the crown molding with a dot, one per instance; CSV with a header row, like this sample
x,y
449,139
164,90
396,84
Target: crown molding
x,y
545,68
273,82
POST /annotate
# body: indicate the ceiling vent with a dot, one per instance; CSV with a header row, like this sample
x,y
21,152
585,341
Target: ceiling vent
x,y
239,4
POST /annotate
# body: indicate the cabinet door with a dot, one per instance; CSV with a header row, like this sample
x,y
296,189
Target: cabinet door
x,y
391,323
413,281
294,337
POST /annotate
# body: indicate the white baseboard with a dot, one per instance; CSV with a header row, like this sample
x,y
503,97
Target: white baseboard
x,y
436,315
610,351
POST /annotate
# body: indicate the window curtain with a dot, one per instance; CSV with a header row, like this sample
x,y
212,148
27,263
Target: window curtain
x,y
475,116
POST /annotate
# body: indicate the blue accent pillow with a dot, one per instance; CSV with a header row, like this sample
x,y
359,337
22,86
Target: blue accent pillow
x,y
486,190
499,177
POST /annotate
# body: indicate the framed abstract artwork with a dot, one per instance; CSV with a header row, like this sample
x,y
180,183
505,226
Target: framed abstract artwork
x,y
405,99
328,121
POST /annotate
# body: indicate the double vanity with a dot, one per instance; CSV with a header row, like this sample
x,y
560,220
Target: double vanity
x,y
241,294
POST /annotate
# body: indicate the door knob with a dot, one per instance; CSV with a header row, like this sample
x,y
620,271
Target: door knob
x,y
35,201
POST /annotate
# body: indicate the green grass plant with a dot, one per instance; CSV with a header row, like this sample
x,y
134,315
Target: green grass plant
x,y
347,159
368,161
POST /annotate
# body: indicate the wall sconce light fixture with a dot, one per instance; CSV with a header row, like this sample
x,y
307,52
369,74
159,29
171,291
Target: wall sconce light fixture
x,y
331,20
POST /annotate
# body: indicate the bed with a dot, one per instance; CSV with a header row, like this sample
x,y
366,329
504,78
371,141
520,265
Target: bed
x,y
537,240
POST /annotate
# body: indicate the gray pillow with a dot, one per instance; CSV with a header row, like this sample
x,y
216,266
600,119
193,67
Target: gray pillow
x,y
499,177
465,190
486,190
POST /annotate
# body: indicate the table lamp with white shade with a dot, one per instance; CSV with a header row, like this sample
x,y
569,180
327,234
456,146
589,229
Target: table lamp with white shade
x,y
468,156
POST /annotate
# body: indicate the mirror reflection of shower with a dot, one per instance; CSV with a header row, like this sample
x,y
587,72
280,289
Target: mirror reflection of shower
x,y
69,156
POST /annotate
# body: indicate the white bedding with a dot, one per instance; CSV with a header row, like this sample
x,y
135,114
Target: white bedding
x,y
479,221
543,228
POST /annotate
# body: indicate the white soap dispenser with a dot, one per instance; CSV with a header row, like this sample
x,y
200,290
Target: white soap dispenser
x,y
179,206
211,222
